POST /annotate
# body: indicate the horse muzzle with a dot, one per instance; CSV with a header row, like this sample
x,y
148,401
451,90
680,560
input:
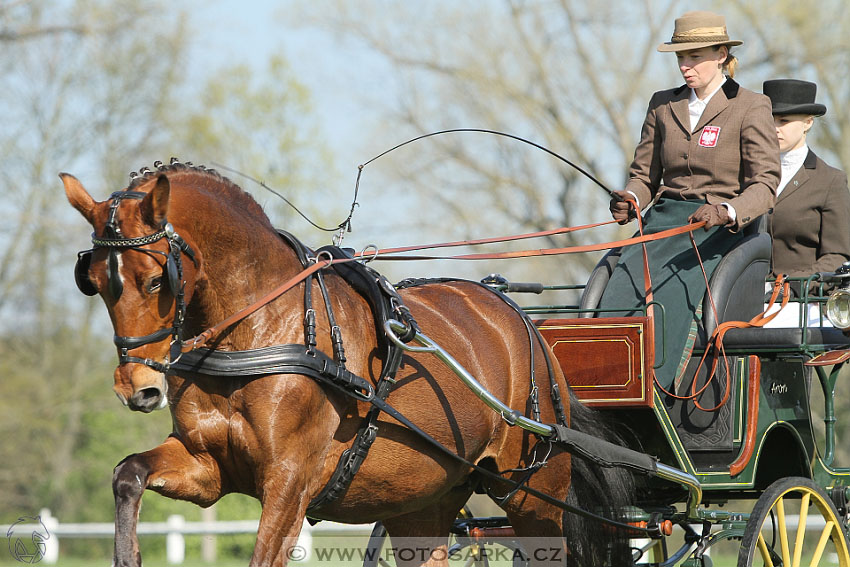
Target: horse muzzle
x,y
149,395
148,399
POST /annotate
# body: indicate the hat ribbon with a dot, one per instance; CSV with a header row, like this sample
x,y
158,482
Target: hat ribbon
x,y
701,34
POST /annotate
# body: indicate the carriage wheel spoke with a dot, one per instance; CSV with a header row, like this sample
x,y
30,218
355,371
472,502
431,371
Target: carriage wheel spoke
x,y
783,531
824,538
801,529
765,553
767,534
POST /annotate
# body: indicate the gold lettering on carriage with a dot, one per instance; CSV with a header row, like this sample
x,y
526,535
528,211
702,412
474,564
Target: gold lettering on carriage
x,y
777,389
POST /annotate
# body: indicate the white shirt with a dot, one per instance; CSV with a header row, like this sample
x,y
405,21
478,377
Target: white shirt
x,y
791,162
697,106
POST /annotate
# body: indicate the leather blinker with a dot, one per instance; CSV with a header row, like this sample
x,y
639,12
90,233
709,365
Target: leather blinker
x,y
81,273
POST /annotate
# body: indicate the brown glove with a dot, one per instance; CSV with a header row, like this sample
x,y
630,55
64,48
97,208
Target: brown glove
x,y
621,210
713,215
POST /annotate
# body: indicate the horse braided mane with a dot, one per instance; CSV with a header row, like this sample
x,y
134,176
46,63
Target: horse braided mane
x,y
146,174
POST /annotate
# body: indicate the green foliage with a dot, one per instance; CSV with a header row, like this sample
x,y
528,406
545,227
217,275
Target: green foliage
x,y
99,88
259,124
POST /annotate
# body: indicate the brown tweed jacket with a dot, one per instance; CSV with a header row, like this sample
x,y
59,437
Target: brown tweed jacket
x,y
810,223
732,156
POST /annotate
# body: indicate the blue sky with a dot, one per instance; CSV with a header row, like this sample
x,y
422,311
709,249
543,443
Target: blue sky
x,y
251,32
340,77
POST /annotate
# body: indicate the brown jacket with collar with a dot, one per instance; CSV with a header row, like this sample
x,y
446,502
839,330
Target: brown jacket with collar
x,y
732,156
810,223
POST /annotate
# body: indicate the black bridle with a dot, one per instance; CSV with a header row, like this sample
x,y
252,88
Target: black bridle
x,y
114,241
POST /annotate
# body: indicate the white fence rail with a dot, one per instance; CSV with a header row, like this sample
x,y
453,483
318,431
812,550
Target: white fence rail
x,y
174,530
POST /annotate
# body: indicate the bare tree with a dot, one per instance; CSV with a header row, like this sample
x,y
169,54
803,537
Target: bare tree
x,y
87,91
257,126
21,20
786,40
568,75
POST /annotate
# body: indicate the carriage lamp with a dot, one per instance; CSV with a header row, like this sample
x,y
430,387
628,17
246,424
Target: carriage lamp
x,y
838,304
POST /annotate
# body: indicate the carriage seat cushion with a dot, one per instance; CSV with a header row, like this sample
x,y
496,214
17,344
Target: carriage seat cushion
x,y
737,285
791,338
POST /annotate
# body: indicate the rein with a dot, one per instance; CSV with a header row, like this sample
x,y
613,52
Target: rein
x,y
379,254
203,338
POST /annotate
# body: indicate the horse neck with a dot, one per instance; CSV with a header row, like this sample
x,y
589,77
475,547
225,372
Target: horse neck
x,y
243,259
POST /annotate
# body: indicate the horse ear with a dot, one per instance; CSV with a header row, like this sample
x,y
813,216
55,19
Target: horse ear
x,y
154,206
78,196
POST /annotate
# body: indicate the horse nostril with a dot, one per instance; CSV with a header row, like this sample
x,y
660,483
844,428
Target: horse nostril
x,y
146,399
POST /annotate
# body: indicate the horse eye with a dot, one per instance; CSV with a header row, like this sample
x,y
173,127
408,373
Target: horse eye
x,y
154,284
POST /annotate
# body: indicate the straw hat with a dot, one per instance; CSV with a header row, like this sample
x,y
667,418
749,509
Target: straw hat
x,y
695,30
791,96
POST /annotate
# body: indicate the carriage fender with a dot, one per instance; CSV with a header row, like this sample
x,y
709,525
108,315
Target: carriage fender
x,y
781,452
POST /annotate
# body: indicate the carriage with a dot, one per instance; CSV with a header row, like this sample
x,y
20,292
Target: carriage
x,y
748,434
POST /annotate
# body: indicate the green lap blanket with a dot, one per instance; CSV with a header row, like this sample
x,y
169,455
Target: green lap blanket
x,y
677,281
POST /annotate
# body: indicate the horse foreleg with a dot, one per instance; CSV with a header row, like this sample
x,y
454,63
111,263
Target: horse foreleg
x,y
285,503
168,469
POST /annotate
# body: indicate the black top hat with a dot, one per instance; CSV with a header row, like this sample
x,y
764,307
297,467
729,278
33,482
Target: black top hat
x,y
791,96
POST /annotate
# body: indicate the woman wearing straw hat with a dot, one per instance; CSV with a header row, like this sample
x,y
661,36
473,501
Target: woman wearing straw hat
x,y
810,223
707,152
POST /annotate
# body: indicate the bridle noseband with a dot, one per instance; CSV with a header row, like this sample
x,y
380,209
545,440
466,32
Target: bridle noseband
x,y
113,240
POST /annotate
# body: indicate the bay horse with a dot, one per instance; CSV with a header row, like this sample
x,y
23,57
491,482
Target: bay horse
x,y
193,249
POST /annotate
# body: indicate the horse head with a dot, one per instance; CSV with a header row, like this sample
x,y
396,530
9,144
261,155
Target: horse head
x,y
145,272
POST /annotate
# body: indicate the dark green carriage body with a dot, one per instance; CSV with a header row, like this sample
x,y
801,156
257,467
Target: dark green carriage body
x,y
705,443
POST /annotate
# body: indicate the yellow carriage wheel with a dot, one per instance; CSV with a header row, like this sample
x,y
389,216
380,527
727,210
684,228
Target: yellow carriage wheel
x,y
794,524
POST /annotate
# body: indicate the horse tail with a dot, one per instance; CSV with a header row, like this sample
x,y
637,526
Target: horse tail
x,y
605,491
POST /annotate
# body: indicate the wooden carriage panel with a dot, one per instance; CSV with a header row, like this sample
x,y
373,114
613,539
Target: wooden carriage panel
x,y
605,360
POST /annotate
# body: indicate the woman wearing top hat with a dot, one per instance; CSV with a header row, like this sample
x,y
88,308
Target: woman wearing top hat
x,y
707,152
810,223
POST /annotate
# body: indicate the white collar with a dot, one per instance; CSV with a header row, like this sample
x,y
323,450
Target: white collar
x,y
793,158
692,99
696,106
791,162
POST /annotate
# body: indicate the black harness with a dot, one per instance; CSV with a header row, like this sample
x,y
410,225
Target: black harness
x,y
304,359
307,360
114,241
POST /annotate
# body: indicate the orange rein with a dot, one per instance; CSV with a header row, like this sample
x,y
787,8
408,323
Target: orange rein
x,y
715,341
203,338
378,254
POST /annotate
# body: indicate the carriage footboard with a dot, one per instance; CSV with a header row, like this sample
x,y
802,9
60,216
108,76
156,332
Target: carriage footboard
x,y
587,446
